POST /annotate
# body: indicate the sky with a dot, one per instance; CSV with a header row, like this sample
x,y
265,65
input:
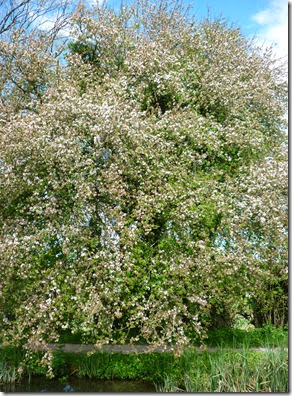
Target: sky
x,y
267,19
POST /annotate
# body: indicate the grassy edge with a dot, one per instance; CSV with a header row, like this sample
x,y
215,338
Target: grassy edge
x,y
221,371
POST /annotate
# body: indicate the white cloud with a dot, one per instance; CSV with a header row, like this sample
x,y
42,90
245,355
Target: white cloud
x,y
46,23
273,26
94,2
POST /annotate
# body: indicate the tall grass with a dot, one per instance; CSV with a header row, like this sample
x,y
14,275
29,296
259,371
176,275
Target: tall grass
x,y
10,359
8,374
227,370
231,371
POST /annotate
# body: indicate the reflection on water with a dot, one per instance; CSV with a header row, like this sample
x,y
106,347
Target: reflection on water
x,y
40,384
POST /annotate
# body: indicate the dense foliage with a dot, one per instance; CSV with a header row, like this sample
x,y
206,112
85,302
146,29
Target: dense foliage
x,y
143,179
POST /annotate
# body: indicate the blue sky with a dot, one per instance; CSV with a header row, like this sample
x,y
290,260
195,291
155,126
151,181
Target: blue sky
x,y
240,12
268,19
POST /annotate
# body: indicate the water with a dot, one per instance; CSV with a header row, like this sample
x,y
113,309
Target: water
x,y
40,384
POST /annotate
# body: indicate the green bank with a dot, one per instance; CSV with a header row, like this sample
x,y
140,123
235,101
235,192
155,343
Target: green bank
x,y
226,370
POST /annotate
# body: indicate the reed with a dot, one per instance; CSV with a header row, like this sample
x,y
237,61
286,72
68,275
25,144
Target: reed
x,y
230,371
8,374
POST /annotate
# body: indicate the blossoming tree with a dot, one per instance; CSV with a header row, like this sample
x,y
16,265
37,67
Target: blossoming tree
x,y
145,194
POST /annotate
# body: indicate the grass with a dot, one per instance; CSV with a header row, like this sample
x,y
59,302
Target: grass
x,y
226,370
149,367
221,371
10,360
267,336
8,374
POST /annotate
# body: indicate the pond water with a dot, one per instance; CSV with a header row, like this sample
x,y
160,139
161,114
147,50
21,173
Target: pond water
x,y
40,384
